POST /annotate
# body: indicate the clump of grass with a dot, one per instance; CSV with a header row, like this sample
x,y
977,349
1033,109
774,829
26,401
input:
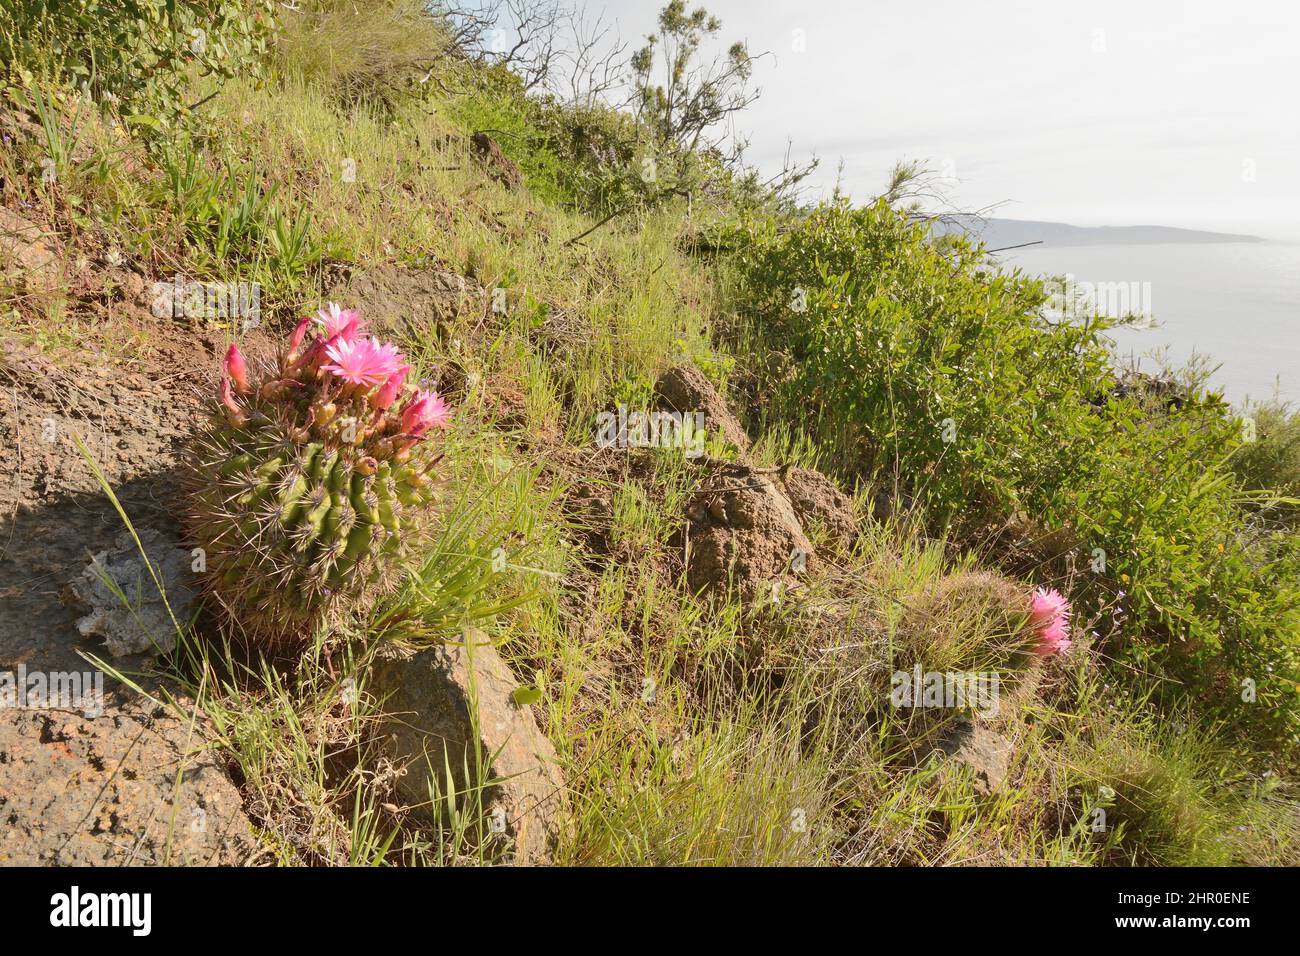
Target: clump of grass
x,y
1151,794
372,52
700,781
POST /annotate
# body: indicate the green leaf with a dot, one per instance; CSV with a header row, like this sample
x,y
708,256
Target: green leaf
x,y
525,696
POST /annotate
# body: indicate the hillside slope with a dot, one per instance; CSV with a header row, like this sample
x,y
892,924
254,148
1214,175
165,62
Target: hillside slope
x,y
710,635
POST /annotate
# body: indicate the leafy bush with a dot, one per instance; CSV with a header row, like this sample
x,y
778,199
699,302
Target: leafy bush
x,y
1271,463
602,160
923,367
918,362
139,52
587,158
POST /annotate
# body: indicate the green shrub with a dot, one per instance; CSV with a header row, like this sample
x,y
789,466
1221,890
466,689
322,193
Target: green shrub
x,y
1271,462
592,159
140,52
919,365
603,163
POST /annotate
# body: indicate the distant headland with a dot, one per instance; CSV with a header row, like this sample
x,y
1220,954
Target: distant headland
x,y
1001,233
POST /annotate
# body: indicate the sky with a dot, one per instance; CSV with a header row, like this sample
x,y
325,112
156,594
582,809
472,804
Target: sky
x,y
1163,112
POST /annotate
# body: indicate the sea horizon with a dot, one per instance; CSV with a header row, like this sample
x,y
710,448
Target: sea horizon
x,y
1237,303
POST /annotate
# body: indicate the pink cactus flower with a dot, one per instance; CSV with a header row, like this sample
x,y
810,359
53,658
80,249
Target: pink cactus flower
x,y
363,362
341,322
1048,605
426,410
1049,614
237,369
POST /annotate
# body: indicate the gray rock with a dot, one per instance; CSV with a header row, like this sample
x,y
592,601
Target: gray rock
x,y
443,712
143,623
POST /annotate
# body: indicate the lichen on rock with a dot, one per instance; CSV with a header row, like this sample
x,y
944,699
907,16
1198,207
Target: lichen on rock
x,y
121,599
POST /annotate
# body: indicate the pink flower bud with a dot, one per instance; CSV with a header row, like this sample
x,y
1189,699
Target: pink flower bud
x,y
388,392
237,369
315,356
299,334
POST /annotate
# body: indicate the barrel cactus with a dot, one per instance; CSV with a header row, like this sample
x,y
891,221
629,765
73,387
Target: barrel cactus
x,y
310,484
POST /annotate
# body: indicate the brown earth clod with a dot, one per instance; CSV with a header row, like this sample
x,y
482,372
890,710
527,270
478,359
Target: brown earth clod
x,y
685,389
744,536
499,166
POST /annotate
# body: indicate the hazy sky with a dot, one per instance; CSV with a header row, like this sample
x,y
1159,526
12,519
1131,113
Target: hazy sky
x,y
1097,113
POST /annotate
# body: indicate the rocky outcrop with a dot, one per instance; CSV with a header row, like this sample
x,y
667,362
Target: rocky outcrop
x,y
119,789
91,773
454,705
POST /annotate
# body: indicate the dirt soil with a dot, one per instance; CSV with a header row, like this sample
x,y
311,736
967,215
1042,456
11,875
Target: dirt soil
x,y
131,784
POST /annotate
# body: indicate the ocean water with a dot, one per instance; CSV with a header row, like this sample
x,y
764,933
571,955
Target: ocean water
x,y
1236,303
